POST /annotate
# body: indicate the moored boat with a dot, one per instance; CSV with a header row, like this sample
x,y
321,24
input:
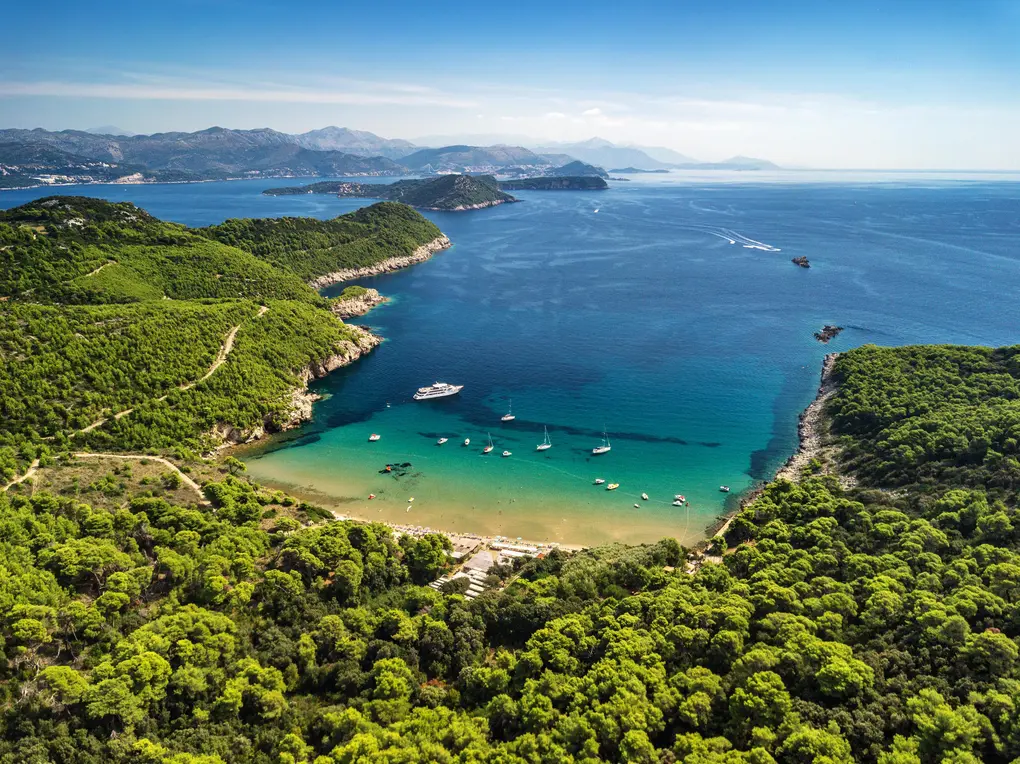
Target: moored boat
x,y
612,486
441,441
599,481
546,443
724,488
677,503
509,415
644,496
489,447
680,497
506,453
606,446
467,441
374,437
438,390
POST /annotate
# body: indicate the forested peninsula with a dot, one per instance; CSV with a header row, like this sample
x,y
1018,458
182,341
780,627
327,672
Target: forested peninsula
x,y
867,611
119,331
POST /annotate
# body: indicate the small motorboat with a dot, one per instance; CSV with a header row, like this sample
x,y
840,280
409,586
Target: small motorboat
x,y
467,441
724,488
506,453
644,496
441,441
680,497
612,486
546,443
599,481
509,415
637,506
374,437
411,498
678,503
371,496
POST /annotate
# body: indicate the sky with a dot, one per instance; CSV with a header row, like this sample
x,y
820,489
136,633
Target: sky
x,y
898,84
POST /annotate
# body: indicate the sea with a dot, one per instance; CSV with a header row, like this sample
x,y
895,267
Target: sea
x,y
664,312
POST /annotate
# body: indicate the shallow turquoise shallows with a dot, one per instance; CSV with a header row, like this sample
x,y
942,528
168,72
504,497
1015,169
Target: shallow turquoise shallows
x,y
665,309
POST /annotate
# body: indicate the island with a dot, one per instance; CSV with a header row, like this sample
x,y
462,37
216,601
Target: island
x,y
451,193
827,333
802,261
639,171
553,183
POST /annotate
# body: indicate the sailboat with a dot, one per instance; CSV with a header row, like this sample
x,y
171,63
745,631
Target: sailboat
x,y
489,447
509,415
606,446
545,443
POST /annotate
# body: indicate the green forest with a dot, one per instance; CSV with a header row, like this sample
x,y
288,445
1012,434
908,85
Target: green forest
x,y
871,617
111,321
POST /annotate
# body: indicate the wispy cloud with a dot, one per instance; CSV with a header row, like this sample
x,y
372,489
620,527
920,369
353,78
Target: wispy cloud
x,y
378,94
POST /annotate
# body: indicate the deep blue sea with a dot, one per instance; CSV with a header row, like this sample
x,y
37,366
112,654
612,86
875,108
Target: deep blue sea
x,y
665,309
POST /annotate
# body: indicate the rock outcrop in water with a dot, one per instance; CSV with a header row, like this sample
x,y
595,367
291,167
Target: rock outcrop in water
x,y
827,333
356,301
801,261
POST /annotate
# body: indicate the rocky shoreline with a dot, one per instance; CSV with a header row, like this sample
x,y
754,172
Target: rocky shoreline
x,y
420,255
463,207
352,307
299,409
811,426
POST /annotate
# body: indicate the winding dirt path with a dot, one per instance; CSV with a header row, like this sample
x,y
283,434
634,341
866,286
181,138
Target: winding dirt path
x,y
138,457
33,467
93,273
221,357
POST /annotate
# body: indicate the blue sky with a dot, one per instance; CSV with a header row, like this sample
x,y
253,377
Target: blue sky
x,y
897,84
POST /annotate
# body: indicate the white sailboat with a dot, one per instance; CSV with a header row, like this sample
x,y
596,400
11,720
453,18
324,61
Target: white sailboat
x,y
509,415
545,443
489,447
606,446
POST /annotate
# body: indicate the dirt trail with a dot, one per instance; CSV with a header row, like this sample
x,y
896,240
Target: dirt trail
x,y
93,273
138,457
221,357
28,473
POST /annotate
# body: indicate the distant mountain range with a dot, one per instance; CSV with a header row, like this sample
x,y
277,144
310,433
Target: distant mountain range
x,y
39,157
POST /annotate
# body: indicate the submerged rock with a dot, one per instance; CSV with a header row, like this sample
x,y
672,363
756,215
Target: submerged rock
x,y
827,333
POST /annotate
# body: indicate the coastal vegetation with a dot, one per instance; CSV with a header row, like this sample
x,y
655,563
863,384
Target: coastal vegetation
x,y
868,616
446,192
119,331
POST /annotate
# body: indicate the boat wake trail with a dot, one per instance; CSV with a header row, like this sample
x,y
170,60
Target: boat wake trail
x,y
731,236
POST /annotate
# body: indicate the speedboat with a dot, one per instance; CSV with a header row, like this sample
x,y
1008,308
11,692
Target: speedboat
x,y
506,453
545,443
637,506
724,488
371,496
509,415
489,447
678,503
644,496
467,441
599,481
605,447
374,437
441,441
612,486
680,497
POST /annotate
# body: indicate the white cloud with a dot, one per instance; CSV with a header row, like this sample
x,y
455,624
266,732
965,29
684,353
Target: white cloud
x,y
592,112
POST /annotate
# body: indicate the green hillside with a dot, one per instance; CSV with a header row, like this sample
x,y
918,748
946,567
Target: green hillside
x,y
310,247
837,624
120,331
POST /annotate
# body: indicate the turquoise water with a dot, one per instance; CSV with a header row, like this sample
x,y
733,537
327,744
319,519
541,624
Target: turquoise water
x,y
694,352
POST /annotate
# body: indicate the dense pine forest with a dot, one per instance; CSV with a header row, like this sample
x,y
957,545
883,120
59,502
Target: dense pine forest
x,y
870,615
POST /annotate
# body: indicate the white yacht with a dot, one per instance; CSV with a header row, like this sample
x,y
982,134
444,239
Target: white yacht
x,y
438,390
605,447
509,415
545,443
506,453
467,441
441,441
